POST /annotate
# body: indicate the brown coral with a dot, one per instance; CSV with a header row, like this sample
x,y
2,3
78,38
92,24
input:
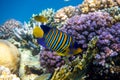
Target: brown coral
x,y
93,5
63,14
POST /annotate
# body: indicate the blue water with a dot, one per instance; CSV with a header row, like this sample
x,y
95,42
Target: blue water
x,y
22,10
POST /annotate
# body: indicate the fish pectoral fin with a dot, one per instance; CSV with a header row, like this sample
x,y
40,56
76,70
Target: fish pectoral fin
x,y
76,51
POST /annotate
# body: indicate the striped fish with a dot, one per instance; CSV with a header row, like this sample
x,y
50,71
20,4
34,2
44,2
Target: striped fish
x,y
58,41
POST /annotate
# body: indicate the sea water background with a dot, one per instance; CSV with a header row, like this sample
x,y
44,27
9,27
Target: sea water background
x,y
22,10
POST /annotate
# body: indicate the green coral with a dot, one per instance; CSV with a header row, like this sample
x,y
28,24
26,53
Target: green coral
x,y
78,68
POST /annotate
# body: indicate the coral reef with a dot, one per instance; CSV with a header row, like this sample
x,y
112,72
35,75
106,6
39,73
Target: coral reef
x,y
43,77
15,31
94,25
9,56
6,30
78,68
24,35
94,5
29,65
50,60
5,74
114,12
85,26
48,13
109,43
63,14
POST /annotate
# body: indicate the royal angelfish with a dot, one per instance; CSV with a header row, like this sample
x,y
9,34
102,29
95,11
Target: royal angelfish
x,y
56,40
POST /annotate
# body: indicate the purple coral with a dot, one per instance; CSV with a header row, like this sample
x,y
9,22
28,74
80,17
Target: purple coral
x,y
108,43
84,27
50,60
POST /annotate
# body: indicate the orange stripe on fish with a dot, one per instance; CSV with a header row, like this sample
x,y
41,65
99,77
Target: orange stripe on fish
x,y
54,37
58,41
49,38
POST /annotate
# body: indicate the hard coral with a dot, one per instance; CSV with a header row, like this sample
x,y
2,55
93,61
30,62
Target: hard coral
x,y
94,5
48,13
5,74
9,56
50,60
78,68
84,27
108,43
63,14
6,30
114,12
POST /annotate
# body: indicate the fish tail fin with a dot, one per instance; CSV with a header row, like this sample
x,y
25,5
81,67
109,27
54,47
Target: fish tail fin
x,y
75,48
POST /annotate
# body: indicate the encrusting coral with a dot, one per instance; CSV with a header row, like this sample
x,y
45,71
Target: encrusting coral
x,y
5,74
94,5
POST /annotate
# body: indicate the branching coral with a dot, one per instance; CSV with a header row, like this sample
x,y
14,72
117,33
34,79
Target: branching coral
x,y
6,30
63,14
24,35
5,74
48,13
84,27
78,67
114,12
109,43
50,60
94,5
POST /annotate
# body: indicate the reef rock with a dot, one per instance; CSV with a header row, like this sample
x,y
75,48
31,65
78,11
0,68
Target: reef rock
x,y
29,65
9,55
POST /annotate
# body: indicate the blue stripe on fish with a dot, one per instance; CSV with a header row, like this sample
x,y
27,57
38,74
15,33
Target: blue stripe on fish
x,y
56,40
61,41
